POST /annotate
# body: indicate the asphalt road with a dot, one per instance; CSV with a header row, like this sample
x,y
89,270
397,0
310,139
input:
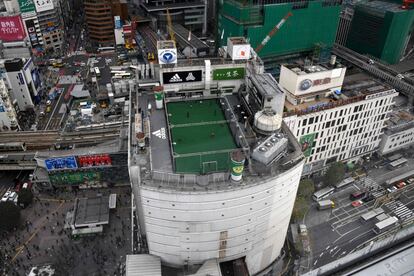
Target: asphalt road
x,y
337,232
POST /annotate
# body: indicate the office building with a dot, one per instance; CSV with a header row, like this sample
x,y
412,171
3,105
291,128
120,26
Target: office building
x,y
344,25
399,132
24,82
311,23
99,16
331,120
192,14
216,178
381,29
8,116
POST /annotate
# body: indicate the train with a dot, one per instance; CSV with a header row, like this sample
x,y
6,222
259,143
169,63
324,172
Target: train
x,y
12,146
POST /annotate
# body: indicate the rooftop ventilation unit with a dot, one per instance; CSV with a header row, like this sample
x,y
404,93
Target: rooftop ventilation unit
x,y
270,149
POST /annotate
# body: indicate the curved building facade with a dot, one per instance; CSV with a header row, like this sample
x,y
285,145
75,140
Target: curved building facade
x,y
209,182
242,221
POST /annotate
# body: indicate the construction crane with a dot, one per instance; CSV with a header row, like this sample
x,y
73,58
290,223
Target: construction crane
x,y
170,28
272,32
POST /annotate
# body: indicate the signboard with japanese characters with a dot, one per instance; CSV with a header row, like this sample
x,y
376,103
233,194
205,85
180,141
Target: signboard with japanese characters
x,y
228,74
43,5
31,31
11,28
61,163
26,6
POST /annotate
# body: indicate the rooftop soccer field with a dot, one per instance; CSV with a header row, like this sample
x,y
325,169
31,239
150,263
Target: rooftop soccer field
x,y
201,137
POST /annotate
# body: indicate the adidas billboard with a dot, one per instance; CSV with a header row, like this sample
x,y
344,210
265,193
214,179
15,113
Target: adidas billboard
x,y
182,76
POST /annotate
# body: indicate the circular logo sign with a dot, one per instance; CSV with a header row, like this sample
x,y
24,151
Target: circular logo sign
x,y
305,84
238,169
168,56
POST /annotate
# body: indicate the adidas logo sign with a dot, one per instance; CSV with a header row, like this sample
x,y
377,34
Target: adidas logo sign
x,y
176,78
190,77
160,133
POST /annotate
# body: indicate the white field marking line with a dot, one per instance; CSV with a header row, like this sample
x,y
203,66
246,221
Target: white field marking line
x,y
356,187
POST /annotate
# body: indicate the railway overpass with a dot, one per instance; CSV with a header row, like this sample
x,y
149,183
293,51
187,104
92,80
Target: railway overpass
x,y
402,84
38,141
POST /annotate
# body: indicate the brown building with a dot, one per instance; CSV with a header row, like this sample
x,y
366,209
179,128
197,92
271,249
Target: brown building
x,y
99,16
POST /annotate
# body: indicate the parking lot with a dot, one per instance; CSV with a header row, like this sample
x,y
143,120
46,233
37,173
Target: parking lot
x,y
43,240
339,231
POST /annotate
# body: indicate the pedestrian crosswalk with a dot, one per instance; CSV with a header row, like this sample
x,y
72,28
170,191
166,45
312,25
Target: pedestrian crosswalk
x,y
399,209
378,193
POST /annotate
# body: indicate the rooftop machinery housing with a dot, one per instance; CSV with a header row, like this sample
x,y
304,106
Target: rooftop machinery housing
x,y
213,168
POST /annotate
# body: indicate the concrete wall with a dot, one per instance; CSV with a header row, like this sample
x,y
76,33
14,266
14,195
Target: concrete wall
x,y
396,141
291,81
347,137
184,227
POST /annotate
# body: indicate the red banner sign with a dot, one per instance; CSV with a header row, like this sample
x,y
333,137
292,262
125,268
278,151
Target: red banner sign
x,y
11,28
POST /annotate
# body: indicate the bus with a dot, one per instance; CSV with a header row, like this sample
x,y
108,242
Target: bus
x,y
323,193
385,224
404,176
122,75
326,204
97,71
345,182
113,72
372,214
394,157
106,49
397,163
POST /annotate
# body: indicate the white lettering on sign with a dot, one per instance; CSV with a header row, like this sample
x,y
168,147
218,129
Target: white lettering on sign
x,y
160,133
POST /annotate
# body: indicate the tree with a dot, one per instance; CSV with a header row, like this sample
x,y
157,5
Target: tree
x,y
300,208
25,198
335,173
306,188
9,216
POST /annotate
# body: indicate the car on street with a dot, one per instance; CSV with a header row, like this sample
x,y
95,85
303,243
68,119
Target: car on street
x,y
368,198
392,189
357,195
49,102
411,180
400,185
357,203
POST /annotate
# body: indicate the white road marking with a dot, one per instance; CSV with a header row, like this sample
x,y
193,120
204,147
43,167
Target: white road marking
x,y
336,252
315,262
321,254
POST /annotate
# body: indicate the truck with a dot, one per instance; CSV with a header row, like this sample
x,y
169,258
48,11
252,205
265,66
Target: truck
x,y
326,204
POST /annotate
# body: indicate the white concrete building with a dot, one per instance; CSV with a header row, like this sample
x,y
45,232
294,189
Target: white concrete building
x,y
338,126
224,214
399,133
306,83
23,80
8,116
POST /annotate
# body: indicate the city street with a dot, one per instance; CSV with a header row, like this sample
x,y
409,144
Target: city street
x,y
42,239
337,232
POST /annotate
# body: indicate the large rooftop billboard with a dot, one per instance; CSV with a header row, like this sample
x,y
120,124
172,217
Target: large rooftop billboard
x,y
11,28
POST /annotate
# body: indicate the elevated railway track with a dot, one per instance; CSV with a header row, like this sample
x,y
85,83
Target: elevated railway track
x,y
402,84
